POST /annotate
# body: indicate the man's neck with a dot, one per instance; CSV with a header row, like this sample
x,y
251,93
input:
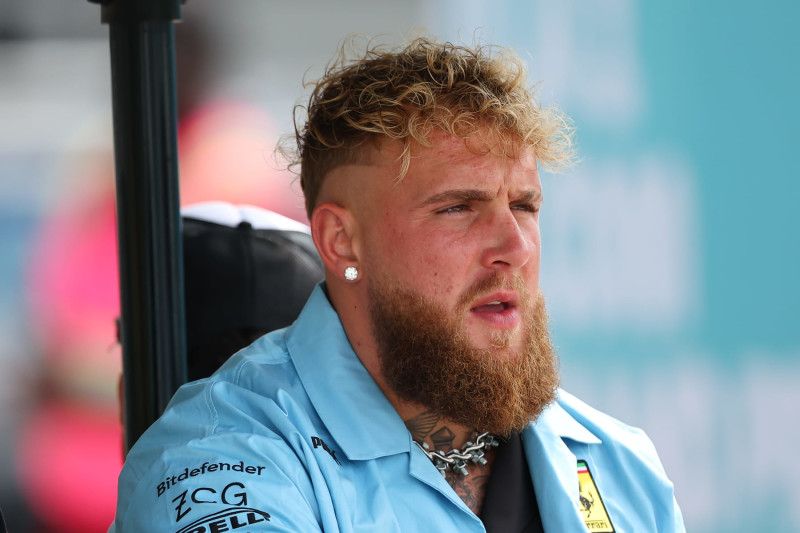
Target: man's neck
x,y
440,434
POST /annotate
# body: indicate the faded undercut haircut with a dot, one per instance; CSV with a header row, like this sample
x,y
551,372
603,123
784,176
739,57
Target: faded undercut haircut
x,y
405,92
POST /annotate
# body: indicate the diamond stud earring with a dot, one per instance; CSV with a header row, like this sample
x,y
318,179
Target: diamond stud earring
x,y
350,273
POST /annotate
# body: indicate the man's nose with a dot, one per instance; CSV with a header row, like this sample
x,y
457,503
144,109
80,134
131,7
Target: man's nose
x,y
510,246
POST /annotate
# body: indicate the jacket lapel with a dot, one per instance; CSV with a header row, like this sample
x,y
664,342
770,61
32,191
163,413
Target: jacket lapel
x,y
554,467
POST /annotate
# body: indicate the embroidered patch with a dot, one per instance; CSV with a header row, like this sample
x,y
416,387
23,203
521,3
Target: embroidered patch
x,y
590,504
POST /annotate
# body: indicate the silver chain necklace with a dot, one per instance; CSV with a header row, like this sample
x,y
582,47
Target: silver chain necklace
x,y
456,460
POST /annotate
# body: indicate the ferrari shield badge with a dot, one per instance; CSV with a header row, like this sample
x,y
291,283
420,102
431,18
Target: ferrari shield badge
x,y
590,504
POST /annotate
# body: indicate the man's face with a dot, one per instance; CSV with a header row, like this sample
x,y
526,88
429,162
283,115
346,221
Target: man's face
x,y
452,270
456,219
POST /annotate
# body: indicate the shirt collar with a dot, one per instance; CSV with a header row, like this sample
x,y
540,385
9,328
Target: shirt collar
x,y
352,407
558,421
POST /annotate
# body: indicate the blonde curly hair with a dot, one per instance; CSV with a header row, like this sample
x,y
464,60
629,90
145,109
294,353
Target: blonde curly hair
x,y
404,93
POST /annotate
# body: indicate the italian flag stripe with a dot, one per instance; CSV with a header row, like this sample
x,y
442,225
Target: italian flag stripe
x,y
582,469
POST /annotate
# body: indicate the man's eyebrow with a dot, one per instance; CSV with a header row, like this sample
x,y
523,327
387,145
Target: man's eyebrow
x,y
531,196
458,195
476,195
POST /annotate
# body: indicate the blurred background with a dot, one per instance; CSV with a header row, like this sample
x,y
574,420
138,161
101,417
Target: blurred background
x,y
671,255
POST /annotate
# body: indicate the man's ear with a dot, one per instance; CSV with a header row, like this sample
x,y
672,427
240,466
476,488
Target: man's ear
x,y
333,228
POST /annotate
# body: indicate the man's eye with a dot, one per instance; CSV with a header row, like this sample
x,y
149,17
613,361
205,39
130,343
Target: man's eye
x,y
453,209
530,208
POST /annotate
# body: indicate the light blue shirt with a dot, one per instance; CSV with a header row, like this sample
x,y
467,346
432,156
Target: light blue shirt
x,y
293,435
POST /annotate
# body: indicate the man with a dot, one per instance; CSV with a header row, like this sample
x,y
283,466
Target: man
x,y
417,391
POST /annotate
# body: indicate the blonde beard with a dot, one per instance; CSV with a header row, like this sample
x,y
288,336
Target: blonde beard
x,y
426,358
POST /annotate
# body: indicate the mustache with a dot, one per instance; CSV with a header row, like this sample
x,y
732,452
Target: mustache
x,y
494,282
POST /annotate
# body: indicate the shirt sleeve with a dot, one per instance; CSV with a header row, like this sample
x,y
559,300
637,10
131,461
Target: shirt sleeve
x,y
236,483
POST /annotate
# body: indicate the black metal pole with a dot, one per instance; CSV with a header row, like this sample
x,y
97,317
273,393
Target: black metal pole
x,y
148,205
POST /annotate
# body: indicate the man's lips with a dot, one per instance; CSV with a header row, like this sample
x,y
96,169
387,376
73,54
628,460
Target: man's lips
x,y
496,302
492,307
499,308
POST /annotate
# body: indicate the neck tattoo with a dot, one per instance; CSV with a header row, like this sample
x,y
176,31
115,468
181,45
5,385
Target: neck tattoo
x,y
456,459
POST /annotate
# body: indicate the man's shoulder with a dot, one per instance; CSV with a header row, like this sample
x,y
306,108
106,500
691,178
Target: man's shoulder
x,y
245,426
594,419
258,370
267,350
243,382
613,459
251,394
609,431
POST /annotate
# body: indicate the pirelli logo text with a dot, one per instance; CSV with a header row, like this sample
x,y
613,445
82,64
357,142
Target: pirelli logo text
x,y
231,519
